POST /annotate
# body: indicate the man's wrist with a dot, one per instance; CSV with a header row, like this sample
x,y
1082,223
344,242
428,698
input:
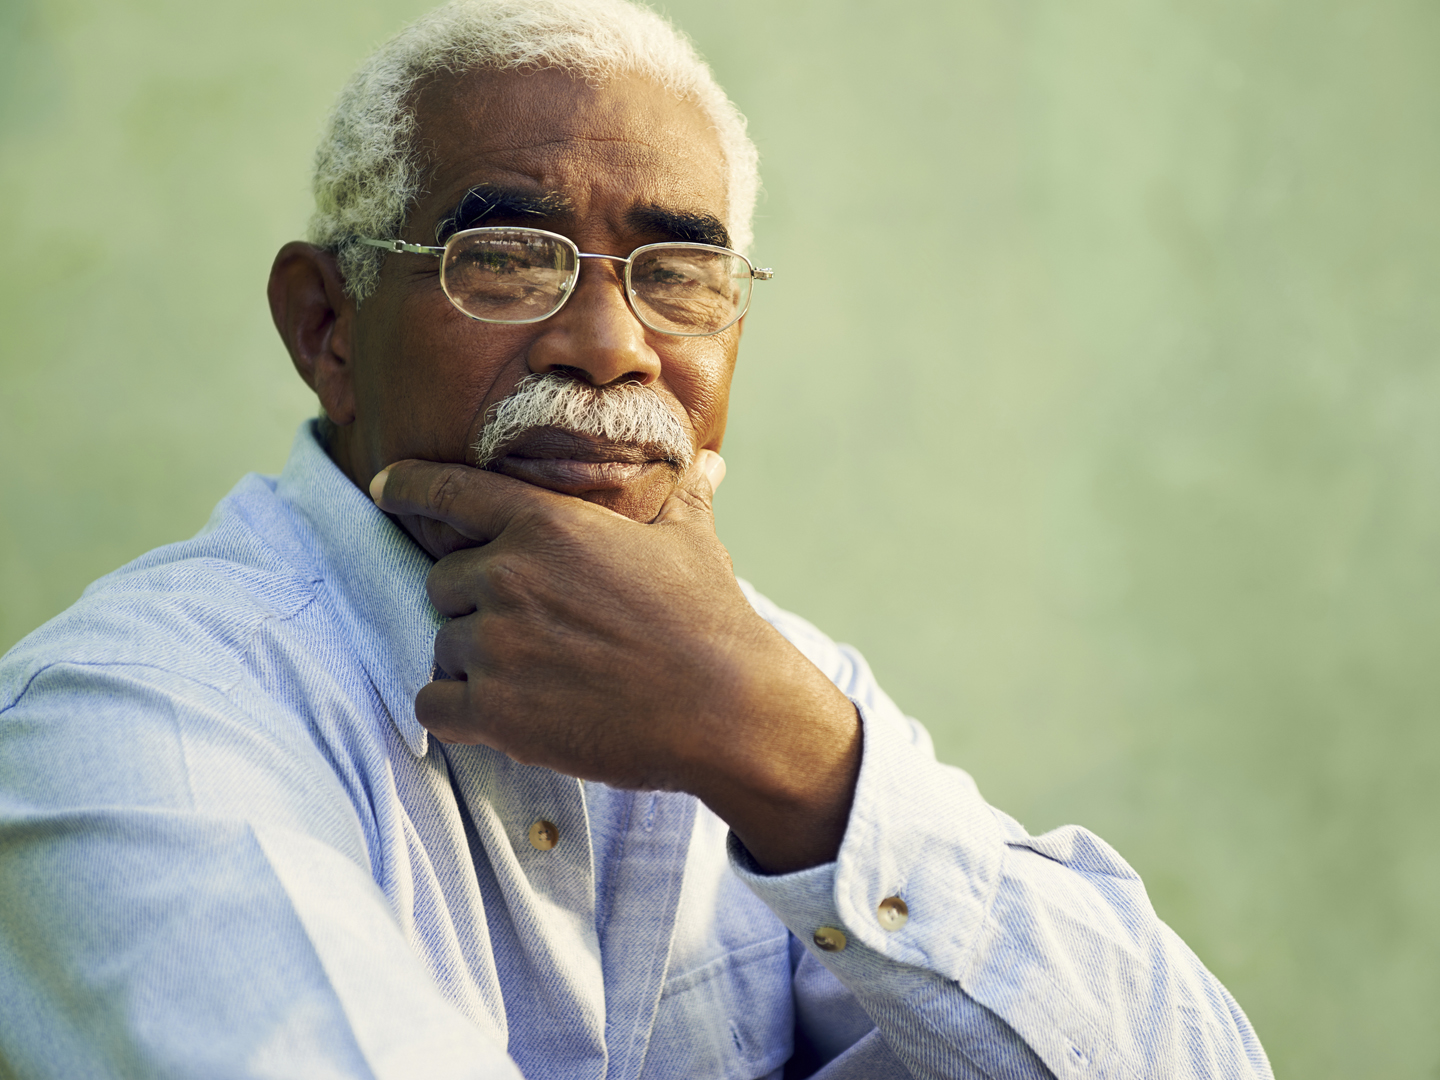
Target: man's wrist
x,y
784,769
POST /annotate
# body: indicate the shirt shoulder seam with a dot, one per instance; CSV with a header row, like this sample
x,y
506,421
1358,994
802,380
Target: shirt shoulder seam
x,y
223,687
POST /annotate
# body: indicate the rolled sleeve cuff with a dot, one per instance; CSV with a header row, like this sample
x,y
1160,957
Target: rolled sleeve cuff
x,y
918,830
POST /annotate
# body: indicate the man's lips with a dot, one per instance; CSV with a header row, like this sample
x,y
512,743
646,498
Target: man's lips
x,y
571,463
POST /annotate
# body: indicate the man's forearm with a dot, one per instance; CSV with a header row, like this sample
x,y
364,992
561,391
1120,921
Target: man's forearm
x,y
1013,955
1024,956
787,787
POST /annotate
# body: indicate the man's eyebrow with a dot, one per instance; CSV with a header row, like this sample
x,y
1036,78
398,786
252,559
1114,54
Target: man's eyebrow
x,y
686,226
486,200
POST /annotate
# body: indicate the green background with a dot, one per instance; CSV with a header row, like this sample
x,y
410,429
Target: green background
x,y
1095,399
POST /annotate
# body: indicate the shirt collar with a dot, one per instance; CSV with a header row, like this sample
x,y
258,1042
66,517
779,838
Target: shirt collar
x,y
375,574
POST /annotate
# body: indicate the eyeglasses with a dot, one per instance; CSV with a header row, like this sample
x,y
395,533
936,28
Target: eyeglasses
x,y
515,275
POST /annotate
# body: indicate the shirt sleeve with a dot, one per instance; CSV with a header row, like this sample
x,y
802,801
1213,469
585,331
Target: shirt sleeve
x,y
1021,956
179,899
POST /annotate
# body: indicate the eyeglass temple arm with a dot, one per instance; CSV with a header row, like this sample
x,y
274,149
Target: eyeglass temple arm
x,y
400,245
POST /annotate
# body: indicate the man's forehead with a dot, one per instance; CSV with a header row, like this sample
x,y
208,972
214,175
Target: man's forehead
x,y
555,141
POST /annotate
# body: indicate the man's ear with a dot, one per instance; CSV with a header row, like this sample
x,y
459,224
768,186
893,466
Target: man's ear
x,y
316,320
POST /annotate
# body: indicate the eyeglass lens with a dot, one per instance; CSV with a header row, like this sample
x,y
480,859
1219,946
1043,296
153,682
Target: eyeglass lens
x,y
522,275
507,275
689,290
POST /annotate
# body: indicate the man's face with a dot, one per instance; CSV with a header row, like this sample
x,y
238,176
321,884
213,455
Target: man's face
x,y
610,168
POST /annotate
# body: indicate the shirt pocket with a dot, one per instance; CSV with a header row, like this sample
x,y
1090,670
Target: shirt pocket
x,y
730,1019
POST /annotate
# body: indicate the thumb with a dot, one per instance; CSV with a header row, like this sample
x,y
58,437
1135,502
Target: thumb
x,y
694,493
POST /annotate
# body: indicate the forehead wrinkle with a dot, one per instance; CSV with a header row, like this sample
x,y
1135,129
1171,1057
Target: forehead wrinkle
x,y
570,137
539,160
531,167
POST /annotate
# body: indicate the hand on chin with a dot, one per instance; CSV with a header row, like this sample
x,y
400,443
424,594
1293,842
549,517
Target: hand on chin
x,y
636,490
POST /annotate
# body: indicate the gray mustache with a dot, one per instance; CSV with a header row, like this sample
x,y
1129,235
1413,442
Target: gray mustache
x,y
627,413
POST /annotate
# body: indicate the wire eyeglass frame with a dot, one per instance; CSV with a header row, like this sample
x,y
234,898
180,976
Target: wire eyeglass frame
x,y
567,288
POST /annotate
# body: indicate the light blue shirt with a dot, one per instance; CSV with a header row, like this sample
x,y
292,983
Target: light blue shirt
x,y
227,849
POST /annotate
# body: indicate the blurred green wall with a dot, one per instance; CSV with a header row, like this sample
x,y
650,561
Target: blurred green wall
x,y
1095,398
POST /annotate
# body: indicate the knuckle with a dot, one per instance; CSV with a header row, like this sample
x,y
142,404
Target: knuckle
x,y
445,584
487,633
438,581
443,539
503,575
693,499
544,518
566,531
707,548
450,635
444,490
454,569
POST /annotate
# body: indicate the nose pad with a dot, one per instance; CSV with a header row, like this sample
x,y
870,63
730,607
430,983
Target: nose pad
x,y
596,334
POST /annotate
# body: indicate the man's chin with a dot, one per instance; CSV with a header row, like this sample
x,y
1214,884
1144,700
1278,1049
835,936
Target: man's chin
x,y
636,490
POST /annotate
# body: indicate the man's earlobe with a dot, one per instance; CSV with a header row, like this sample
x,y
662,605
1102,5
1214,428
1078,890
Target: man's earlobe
x,y
316,319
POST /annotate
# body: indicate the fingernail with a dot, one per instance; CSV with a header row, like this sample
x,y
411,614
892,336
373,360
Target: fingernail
x,y
377,485
713,466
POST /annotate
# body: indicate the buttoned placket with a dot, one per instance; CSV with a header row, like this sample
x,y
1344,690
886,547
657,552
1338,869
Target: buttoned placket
x,y
547,889
547,893
609,996
644,886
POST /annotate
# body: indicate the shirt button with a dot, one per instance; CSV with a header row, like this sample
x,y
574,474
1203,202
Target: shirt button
x,y
893,913
544,835
829,939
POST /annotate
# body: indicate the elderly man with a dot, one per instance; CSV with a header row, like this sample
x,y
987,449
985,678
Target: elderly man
x,y
503,773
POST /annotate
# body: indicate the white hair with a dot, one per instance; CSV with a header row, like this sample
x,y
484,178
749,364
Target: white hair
x,y
623,413
368,172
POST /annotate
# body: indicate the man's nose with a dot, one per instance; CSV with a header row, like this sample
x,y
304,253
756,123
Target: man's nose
x,y
596,334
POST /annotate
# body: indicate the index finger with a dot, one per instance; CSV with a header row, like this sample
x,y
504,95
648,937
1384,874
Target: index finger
x,y
475,503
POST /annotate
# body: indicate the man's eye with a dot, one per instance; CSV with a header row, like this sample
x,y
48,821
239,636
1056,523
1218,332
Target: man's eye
x,y
495,262
672,273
